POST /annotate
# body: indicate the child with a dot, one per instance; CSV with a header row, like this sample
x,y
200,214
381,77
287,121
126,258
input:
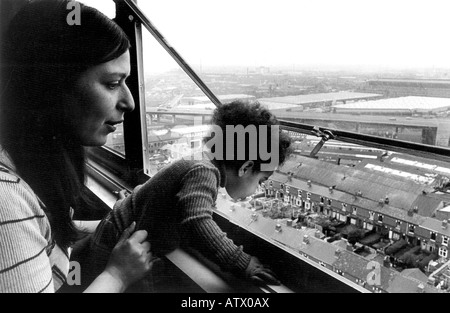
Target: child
x,y
176,205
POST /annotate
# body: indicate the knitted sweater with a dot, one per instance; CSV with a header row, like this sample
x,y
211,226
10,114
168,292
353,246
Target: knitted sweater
x,y
176,206
30,261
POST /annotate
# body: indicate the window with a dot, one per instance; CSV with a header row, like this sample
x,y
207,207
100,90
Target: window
x,y
433,236
445,240
443,252
106,7
396,236
355,85
116,140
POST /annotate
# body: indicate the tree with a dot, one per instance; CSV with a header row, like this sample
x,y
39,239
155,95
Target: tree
x,y
396,246
355,235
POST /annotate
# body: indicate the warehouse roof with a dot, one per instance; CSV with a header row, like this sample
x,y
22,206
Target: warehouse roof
x,y
419,104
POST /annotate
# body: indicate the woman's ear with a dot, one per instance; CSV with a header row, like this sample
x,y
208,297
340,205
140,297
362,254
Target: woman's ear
x,y
246,168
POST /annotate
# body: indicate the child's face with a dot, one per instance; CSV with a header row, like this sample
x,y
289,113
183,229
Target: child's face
x,y
243,183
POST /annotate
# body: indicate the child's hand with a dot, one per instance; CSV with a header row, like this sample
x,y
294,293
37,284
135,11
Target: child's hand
x,y
131,258
259,274
122,194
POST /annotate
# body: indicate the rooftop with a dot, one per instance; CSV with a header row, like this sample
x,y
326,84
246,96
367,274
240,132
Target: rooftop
x,y
320,97
403,103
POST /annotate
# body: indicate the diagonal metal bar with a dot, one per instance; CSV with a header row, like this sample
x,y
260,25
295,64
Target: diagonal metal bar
x,y
173,53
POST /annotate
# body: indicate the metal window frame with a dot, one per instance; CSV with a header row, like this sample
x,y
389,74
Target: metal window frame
x,y
131,167
119,171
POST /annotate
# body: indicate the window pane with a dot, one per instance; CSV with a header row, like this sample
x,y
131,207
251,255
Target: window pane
x,y
177,110
348,65
107,7
115,140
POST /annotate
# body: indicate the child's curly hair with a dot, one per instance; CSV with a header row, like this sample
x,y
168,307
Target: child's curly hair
x,y
247,113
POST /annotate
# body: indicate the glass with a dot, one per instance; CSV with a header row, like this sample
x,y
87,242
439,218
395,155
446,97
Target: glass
x,y
115,141
107,7
344,65
324,63
177,111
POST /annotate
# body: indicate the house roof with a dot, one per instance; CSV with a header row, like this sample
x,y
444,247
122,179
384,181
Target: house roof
x,y
373,185
415,273
406,284
319,249
435,226
359,267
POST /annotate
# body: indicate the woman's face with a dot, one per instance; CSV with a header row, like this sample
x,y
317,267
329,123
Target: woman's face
x,y
98,101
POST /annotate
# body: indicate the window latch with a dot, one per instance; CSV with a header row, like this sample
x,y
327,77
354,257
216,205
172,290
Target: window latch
x,y
325,135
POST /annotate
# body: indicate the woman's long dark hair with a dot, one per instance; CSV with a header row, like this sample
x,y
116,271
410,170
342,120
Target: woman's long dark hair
x,y
42,57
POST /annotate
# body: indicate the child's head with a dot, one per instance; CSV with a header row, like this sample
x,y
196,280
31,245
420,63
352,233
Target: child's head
x,y
251,147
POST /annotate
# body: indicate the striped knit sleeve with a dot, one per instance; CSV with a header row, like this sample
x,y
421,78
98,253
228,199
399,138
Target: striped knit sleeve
x,y
24,264
196,199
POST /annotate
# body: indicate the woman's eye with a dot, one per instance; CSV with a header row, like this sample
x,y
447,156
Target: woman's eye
x,y
114,85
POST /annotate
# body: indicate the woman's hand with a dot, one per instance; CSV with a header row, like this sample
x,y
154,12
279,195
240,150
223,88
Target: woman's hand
x,y
129,262
131,258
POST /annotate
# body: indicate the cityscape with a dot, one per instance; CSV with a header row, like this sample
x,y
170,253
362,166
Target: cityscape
x,y
376,217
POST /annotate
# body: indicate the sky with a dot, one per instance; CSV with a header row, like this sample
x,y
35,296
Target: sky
x,y
388,33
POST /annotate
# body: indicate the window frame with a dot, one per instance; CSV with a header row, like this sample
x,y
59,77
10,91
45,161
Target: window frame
x,y
132,165
129,170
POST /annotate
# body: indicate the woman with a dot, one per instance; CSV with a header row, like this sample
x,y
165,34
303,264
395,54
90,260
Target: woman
x,y
63,89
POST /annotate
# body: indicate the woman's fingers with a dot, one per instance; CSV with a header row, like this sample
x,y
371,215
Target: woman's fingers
x,y
127,232
139,236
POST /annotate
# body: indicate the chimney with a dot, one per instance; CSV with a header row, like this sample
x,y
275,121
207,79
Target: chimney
x,y
290,176
444,224
309,183
318,234
289,223
349,247
421,288
386,200
278,228
337,253
306,239
331,189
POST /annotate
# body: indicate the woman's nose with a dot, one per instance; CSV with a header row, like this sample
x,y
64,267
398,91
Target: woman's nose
x,y
126,101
